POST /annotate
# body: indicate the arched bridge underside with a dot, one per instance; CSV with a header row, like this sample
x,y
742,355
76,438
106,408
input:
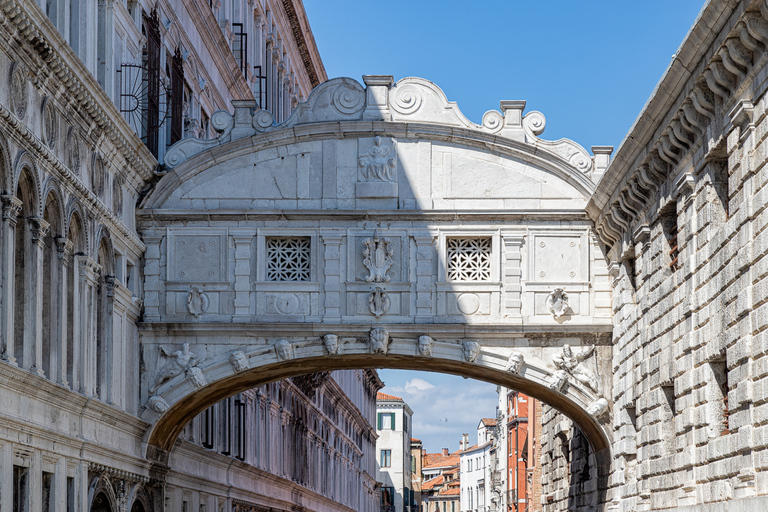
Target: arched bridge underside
x,y
375,228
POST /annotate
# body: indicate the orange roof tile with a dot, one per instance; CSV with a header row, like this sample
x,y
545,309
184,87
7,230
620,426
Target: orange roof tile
x,y
384,396
414,440
453,491
489,422
438,460
429,484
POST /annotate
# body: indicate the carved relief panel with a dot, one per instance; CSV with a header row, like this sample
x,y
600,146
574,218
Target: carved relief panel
x,y
558,282
377,274
197,282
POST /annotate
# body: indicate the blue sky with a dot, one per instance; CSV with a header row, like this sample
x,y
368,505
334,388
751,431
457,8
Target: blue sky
x,y
588,66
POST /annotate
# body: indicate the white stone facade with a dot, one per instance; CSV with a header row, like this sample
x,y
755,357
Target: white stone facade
x,y
393,446
476,478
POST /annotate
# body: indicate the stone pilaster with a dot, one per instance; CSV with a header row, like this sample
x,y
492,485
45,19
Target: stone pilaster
x,y
33,313
152,281
513,276
424,274
11,210
88,272
332,273
243,241
6,476
64,249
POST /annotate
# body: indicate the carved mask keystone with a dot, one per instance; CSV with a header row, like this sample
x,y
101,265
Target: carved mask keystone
x,y
515,363
470,350
379,340
425,345
331,343
239,361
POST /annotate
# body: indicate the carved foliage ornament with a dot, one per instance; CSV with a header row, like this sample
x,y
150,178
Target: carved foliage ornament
x,y
378,301
50,127
377,163
377,257
379,340
557,302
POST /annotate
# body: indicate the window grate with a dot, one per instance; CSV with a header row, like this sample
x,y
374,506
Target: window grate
x,y
469,259
288,259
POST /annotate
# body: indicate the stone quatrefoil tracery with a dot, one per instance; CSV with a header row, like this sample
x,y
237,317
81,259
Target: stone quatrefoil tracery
x,y
288,259
469,259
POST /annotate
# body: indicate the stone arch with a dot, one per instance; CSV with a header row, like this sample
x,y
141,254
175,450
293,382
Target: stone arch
x,y
101,495
180,398
53,215
139,499
75,210
6,174
25,166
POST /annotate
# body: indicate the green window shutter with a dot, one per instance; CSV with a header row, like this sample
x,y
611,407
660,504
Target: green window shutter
x,y
379,421
392,420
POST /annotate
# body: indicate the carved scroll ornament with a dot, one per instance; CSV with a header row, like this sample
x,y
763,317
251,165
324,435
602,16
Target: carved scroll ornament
x,y
377,257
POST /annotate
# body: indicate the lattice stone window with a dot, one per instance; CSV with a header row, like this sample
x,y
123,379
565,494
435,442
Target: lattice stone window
x,y
469,259
288,259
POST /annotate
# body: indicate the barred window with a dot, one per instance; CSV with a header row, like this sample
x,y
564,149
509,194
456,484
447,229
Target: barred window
x,y
288,259
469,259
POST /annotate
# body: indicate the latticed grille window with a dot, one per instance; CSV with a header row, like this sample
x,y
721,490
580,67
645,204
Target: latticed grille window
x,y
469,259
288,259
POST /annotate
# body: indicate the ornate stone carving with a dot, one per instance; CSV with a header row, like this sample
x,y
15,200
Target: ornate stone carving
x,y
180,361
239,361
196,377
11,208
97,175
377,164
379,340
50,127
377,257
557,302
331,344
117,196
598,408
157,404
558,380
378,301
18,90
197,302
470,350
425,345
348,99
73,152
284,350
515,363
572,364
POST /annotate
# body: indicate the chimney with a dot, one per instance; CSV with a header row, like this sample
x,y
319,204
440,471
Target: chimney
x,y
464,441
445,452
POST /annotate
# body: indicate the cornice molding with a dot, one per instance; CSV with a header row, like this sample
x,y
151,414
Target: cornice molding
x,y
715,60
33,27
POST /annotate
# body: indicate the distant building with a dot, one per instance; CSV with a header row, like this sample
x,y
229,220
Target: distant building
x,y
417,453
521,470
476,468
441,489
393,425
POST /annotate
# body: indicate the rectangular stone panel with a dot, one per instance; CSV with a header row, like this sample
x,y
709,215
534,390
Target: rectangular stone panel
x,y
559,258
197,256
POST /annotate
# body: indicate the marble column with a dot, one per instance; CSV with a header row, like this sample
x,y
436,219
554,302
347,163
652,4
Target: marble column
x,y
108,341
11,210
59,498
33,314
63,249
88,272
